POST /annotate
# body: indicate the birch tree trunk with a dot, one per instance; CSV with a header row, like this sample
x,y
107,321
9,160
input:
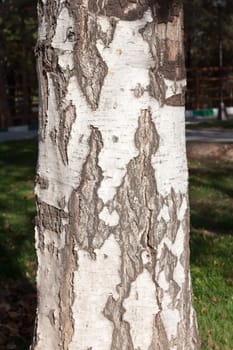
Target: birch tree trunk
x,y
113,218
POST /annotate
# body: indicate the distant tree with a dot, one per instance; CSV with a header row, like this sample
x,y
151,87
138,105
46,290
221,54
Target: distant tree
x,y
202,30
17,36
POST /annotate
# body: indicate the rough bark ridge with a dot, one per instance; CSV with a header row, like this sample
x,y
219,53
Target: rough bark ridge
x,y
165,38
112,274
137,204
48,62
84,204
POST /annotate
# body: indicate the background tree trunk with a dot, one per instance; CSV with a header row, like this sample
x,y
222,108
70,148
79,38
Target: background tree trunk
x,y
4,107
113,220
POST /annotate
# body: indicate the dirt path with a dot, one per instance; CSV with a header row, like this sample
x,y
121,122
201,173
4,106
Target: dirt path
x,y
211,149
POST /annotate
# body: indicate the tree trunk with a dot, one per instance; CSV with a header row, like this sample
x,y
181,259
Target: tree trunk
x,y
4,107
113,218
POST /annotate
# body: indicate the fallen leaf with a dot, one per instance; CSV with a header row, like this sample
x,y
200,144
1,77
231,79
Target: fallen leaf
x,y
210,341
214,299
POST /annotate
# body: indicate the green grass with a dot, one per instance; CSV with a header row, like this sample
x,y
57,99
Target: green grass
x,y
211,199
17,209
211,202
17,254
212,123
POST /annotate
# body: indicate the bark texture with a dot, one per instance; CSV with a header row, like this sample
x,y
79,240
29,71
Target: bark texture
x,y
112,229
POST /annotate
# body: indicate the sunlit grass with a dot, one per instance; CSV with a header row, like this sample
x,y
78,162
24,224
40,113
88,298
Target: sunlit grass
x,y
211,201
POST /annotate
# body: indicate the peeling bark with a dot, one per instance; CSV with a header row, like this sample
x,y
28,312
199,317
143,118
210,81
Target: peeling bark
x,y
123,9
85,206
165,38
89,66
112,230
66,122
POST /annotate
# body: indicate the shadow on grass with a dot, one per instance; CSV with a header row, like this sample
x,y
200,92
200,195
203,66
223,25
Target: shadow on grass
x,y
211,196
211,244
17,254
228,124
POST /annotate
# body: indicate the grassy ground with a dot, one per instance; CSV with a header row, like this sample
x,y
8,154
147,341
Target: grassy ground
x,y
211,198
212,123
17,256
17,166
211,201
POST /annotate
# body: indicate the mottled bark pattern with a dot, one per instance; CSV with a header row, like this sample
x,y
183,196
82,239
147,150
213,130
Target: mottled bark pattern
x,y
113,274
48,62
165,38
167,10
89,65
51,219
137,205
84,205
128,10
45,214
65,126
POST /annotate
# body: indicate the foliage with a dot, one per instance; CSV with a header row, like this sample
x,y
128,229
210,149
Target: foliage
x,y
18,27
202,32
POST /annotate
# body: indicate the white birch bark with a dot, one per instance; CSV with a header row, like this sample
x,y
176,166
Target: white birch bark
x,y
113,220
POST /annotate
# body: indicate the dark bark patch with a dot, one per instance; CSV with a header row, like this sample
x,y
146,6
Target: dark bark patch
x,y
67,119
128,10
107,35
42,181
174,289
51,317
167,52
49,12
175,100
121,338
184,259
167,9
50,217
84,205
43,97
159,340
89,67
168,262
66,292
138,91
137,204
172,201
